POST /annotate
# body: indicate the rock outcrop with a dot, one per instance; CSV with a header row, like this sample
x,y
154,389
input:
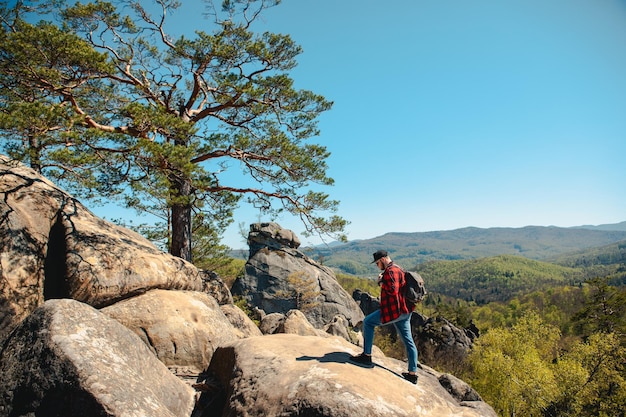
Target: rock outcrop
x,y
182,328
294,322
438,340
51,246
95,320
241,323
280,278
271,235
288,376
366,302
68,359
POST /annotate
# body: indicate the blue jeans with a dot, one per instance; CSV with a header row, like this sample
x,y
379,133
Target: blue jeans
x,y
403,326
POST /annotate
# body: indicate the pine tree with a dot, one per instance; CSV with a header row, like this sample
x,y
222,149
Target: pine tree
x,y
100,97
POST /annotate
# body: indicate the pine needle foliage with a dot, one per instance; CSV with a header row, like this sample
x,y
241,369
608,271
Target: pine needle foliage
x,y
105,99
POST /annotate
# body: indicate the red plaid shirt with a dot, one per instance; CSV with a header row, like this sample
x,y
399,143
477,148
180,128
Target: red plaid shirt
x,y
392,304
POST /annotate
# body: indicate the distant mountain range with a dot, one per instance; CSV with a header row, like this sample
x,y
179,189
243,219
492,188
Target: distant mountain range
x,y
411,249
609,227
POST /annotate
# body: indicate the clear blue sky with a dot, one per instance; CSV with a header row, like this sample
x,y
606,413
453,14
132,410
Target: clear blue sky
x,y
448,114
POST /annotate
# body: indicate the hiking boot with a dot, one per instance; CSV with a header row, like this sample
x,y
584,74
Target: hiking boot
x,y
410,377
362,359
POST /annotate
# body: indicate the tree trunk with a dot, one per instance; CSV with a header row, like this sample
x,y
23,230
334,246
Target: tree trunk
x,y
181,224
35,153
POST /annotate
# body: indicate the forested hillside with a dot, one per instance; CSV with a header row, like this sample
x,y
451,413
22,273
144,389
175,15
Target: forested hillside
x,y
409,249
503,277
498,278
549,330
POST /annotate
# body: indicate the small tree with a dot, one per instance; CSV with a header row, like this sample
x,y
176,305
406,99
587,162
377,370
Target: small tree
x,y
305,290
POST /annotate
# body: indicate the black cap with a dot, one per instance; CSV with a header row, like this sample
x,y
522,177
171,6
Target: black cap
x,y
379,254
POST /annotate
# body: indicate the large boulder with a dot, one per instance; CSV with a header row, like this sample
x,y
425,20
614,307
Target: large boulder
x,y
271,235
272,323
68,359
24,233
341,328
288,375
183,328
51,246
280,278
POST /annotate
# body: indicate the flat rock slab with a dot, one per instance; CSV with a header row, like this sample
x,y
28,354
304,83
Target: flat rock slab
x,y
291,375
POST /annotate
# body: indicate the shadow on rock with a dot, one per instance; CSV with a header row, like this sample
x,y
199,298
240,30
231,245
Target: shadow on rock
x,y
343,357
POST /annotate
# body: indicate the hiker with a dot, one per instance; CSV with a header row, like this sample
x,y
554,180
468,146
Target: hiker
x,y
393,309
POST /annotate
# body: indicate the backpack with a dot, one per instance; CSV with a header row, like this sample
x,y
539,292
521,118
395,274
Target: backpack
x,y
414,290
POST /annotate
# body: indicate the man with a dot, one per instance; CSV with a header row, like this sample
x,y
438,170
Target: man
x,y
393,309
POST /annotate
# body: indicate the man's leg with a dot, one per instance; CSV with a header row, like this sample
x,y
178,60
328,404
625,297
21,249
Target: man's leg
x,y
403,326
369,324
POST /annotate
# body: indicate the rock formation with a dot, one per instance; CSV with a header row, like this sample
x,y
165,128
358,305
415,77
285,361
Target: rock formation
x,y
287,375
366,302
95,320
182,328
54,247
280,278
66,358
438,340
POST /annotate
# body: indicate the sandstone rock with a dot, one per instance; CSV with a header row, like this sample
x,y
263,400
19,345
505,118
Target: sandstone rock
x,y
272,323
458,388
289,375
106,263
214,286
258,313
296,323
366,302
280,278
51,246
242,324
69,359
341,328
439,340
183,328
24,240
270,235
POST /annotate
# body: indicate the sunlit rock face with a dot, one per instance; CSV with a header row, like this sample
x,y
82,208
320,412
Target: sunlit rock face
x,y
291,375
280,278
51,246
67,358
